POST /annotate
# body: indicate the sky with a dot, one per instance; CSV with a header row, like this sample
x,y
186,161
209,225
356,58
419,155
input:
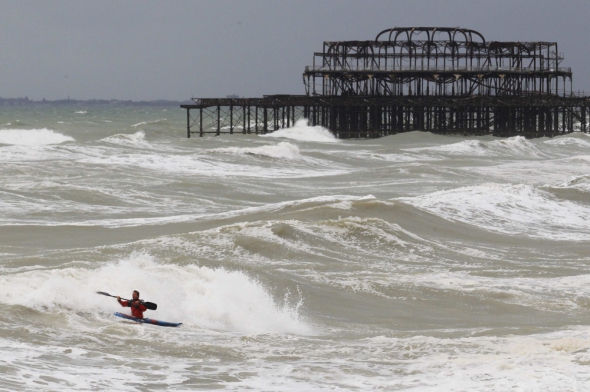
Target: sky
x,y
178,49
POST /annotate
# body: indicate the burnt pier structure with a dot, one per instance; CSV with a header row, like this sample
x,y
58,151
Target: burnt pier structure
x,y
436,79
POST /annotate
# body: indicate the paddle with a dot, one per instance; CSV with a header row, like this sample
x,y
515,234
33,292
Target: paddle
x,y
149,305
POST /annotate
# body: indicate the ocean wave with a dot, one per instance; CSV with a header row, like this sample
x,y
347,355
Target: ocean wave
x,y
136,139
203,164
569,141
153,122
15,123
304,132
509,209
514,146
302,204
216,299
541,172
581,183
32,137
560,293
554,361
283,150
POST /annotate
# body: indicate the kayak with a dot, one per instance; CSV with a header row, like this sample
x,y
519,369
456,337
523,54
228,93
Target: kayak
x,y
148,321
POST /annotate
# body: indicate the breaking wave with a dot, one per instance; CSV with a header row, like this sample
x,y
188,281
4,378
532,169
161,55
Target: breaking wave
x,y
509,209
283,150
581,183
304,132
514,146
135,139
216,299
32,137
161,121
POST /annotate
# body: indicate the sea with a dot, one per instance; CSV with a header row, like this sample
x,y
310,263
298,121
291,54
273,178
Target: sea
x,y
295,261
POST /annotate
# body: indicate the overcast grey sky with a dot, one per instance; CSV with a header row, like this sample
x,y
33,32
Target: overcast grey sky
x,y
144,50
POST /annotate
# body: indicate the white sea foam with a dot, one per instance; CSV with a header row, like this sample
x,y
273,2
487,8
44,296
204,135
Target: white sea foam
x,y
194,164
304,132
23,206
517,146
561,293
283,150
554,361
581,183
402,158
159,121
510,209
32,137
569,141
380,156
136,139
216,299
541,172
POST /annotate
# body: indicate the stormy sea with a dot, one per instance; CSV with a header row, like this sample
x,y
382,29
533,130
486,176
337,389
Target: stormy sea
x,y
295,261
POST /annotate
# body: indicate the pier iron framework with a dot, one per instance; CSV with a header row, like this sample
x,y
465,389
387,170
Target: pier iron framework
x,y
442,80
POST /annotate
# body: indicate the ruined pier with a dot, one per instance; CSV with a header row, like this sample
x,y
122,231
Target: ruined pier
x,y
440,80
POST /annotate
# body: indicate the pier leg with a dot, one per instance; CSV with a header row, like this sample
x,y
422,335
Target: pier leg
x,y
256,120
243,120
555,122
231,120
265,127
200,122
218,120
188,123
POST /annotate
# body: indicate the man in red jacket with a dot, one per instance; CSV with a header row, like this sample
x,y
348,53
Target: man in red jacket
x,y
136,305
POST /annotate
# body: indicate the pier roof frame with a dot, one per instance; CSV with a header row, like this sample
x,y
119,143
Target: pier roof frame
x,y
418,60
431,33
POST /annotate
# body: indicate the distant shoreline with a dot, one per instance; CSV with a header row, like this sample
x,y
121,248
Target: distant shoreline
x,y
26,101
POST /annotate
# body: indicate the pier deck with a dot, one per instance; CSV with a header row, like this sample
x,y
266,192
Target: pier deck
x,y
372,117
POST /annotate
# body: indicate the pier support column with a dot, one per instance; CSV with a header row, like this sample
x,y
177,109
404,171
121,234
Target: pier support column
x,y
265,125
218,120
188,123
231,119
200,122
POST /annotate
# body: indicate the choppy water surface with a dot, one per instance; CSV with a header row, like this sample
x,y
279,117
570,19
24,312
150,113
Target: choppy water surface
x,y
295,261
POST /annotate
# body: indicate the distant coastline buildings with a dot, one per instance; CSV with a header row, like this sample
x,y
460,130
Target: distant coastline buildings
x,y
27,102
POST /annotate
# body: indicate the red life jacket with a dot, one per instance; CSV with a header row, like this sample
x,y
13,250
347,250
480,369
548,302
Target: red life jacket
x,y
137,307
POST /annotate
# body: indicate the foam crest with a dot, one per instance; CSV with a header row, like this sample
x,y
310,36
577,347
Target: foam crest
x,y
195,164
569,141
581,183
134,139
283,150
32,137
304,132
208,298
555,361
154,122
548,294
510,209
514,146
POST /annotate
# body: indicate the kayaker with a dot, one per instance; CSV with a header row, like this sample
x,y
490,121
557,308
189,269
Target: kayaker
x,y
136,305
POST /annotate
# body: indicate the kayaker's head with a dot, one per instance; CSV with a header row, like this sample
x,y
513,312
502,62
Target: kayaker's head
x,y
135,295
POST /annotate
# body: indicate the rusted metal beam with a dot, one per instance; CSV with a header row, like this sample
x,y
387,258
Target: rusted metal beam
x,y
444,80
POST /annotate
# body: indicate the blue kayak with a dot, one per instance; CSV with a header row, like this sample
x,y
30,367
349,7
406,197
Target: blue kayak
x,y
148,321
